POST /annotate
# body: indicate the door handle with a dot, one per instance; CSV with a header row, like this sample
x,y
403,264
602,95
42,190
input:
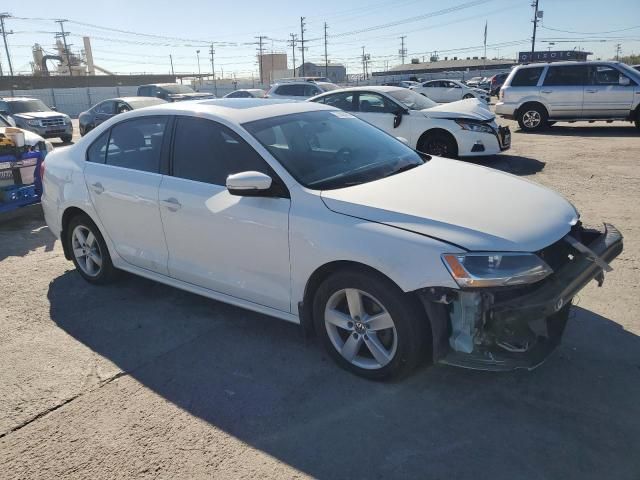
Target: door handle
x,y
97,188
547,91
171,204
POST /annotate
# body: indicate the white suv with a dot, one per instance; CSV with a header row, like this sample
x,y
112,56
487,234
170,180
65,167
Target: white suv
x,y
299,90
538,95
306,213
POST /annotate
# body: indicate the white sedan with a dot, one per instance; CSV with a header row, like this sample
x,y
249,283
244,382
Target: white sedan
x,y
304,212
459,129
443,91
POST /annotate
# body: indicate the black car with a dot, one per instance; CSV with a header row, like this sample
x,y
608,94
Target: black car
x,y
172,92
106,109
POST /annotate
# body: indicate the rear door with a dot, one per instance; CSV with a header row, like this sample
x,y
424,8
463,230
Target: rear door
x,y
123,174
563,90
610,93
234,245
451,92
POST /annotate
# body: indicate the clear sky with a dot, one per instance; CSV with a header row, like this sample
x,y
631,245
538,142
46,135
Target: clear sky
x,y
181,28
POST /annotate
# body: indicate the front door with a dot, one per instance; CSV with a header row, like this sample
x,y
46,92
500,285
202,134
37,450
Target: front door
x,y
563,90
123,177
104,111
609,94
381,112
451,92
234,245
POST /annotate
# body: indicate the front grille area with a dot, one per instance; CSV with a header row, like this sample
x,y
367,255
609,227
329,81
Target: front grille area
x,y
52,122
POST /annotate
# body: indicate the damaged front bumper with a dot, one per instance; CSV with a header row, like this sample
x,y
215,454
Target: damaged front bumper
x,y
509,328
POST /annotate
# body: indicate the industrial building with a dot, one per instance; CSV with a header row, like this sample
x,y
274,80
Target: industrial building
x,y
269,64
334,71
448,65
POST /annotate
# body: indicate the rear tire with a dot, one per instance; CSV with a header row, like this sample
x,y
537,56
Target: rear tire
x,y
468,95
532,117
368,325
89,251
439,144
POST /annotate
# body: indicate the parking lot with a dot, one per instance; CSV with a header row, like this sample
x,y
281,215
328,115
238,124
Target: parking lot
x,y
140,379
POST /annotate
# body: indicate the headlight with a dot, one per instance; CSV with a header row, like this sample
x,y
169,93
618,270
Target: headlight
x,y
495,269
34,123
67,120
474,126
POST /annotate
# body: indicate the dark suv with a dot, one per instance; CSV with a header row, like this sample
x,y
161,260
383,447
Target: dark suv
x,y
172,92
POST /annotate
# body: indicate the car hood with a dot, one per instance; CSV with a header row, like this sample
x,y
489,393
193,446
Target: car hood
x,y
30,138
469,108
33,115
473,207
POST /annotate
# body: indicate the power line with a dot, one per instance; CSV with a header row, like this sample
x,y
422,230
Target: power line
x,y
590,33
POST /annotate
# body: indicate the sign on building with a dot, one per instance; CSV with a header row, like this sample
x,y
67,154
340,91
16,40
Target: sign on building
x,y
552,56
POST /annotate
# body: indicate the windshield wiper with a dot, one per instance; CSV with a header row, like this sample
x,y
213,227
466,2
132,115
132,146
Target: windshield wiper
x,y
403,168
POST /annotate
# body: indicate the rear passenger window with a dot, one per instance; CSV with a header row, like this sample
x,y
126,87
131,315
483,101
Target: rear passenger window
x,y
570,75
137,144
208,152
526,77
98,149
291,90
343,101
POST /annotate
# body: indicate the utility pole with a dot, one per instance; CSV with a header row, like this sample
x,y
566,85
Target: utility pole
x,y
171,60
535,26
64,34
199,73
326,58
213,71
302,43
403,51
4,37
292,43
618,51
260,51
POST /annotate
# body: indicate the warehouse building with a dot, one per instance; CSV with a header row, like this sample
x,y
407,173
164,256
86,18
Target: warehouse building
x,y
448,65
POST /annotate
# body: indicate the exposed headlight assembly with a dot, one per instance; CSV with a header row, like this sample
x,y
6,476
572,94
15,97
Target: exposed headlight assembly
x,y
495,269
474,126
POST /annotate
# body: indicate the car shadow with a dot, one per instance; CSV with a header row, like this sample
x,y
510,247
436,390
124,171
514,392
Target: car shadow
x,y
583,130
22,231
576,416
515,164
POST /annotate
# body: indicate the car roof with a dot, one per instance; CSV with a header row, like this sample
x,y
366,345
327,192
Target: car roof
x,y
234,110
568,62
14,99
372,88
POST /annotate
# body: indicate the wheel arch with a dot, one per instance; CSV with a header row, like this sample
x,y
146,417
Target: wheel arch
x,y
530,103
68,214
437,130
320,274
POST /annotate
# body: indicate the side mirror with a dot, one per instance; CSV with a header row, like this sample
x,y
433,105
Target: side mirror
x,y
249,184
397,119
55,109
624,81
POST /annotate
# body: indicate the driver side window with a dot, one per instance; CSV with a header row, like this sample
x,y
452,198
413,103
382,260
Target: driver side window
x,y
374,103
343,101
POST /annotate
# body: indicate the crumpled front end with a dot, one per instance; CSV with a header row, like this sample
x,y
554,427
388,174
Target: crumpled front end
x,y
507,328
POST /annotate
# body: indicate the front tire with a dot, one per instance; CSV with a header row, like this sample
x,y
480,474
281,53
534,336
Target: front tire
x,y
89,251
468,95
440,144
66,138
532,118
368,325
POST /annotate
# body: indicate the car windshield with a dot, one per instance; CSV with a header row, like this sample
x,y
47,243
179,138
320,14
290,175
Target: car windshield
x,y
631,71
24,106
4,122
178,89
325,150
412,100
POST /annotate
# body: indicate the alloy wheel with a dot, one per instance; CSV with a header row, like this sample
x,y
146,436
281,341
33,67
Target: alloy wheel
x,y
531,119
86,250
360,328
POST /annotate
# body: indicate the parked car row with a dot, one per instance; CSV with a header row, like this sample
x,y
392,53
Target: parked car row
x,y
33,115
449,91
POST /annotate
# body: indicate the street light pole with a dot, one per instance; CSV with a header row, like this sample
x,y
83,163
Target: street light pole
x,y
199,74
